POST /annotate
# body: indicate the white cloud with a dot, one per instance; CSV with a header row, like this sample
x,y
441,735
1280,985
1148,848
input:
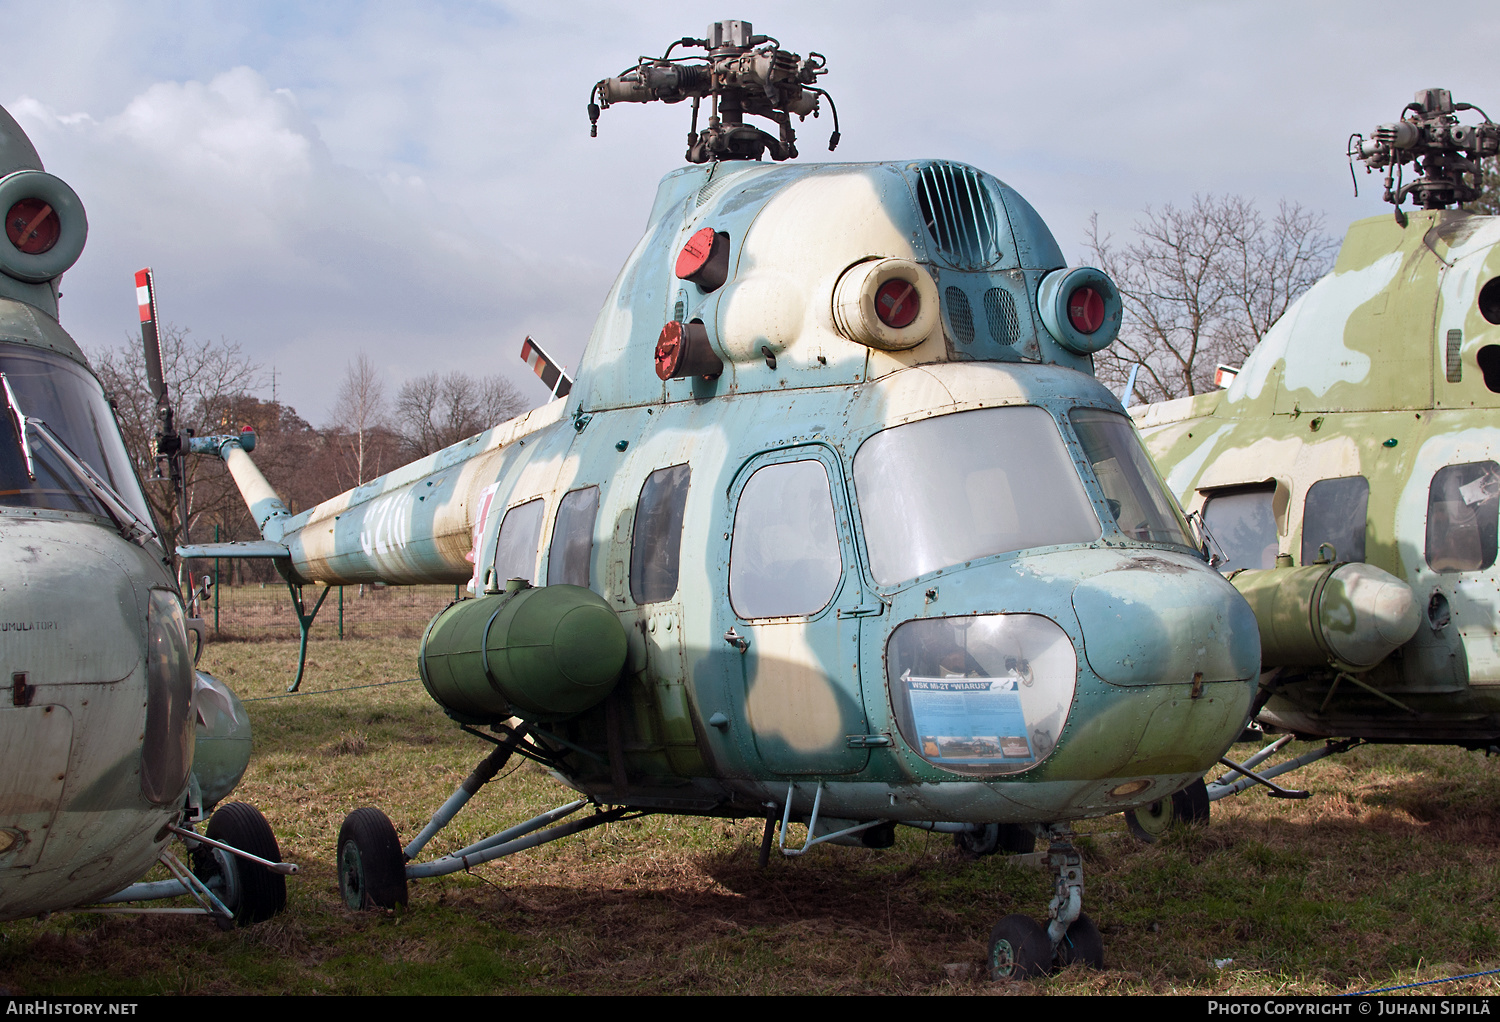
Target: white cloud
x,y
417,181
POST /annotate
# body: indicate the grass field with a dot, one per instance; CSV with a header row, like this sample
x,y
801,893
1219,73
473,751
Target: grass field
x,y
1388,874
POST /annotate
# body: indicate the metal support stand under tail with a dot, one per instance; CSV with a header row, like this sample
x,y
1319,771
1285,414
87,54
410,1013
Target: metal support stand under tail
x,y
304,624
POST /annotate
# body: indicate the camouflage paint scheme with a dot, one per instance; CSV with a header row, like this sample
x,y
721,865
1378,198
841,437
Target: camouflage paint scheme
x,y
1357,380
699,726
75,597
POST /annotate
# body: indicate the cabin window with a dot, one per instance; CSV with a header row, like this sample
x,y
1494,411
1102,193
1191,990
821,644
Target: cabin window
x,y
656,541
573,538
1461,517
1139,502
520,536
1334,513
784,560
956,487
1243,527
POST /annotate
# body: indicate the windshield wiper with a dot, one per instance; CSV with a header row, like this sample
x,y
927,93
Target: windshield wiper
x,y
19,419
131,526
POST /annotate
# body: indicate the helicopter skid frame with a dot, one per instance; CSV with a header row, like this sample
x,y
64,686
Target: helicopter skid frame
x,y
183,882
521,837
1223,787
812,824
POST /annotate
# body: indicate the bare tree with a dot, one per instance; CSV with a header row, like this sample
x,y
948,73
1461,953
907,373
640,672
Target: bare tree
x,y
358,415
203,380
1488,202
1202,285
435,411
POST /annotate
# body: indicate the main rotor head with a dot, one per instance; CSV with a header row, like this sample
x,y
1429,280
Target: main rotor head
x,y
741,74
1444,153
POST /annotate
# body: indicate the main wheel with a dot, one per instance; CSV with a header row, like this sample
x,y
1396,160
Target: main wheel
x,y
372,868
249,890
974,843
1190,805
1019,949
995,837
1081,944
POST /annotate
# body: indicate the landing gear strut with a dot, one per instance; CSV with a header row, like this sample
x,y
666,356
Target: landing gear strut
x,y
1021,948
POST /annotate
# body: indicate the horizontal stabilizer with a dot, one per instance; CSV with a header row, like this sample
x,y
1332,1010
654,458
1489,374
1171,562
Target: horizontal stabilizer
x,y
253,548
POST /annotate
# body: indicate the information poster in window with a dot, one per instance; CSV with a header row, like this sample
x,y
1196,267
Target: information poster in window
x,y
971,721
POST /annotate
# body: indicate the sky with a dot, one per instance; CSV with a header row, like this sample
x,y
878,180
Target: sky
x,y
416,181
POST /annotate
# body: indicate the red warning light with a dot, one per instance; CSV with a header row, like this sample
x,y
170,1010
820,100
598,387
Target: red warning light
x,y
897,303
32,226
1085,310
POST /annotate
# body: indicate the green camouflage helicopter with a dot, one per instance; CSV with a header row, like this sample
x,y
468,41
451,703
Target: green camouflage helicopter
x,y
833,526
1354,462
113,743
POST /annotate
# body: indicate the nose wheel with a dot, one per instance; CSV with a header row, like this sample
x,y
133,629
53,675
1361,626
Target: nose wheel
x,y
1022,948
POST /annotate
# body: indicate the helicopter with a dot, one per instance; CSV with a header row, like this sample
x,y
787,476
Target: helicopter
x,y
1354,457
833,526
115,743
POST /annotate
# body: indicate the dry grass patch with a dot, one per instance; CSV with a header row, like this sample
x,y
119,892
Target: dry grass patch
x,y
1389,873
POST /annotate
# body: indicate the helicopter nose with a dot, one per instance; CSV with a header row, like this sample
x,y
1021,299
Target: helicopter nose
x,y
68,611
1163,619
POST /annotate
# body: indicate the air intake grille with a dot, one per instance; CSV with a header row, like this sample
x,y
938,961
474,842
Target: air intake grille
x,y
1000,314
959,215
1455,364
960,315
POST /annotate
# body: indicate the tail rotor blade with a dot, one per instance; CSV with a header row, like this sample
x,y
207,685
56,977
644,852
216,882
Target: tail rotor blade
x,y
145,295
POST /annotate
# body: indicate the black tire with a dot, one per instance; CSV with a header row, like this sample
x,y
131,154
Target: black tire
x,y
1016,839
1081,945
1009,838
1190,805
975,843
372,867
249,890
1019,949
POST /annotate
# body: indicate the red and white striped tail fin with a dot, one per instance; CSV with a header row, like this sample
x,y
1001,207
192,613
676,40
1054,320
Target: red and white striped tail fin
x,y
549,372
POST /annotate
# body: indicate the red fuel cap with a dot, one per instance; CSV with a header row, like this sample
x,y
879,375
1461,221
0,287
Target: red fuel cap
x,y
704,260
670,347
695,254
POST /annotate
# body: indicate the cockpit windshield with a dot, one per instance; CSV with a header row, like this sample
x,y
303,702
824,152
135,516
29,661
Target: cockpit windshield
x,y
47,386
1141,506
957,487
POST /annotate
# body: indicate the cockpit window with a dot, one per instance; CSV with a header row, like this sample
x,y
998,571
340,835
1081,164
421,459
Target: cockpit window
x,y
63,395
953,488
1140,504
